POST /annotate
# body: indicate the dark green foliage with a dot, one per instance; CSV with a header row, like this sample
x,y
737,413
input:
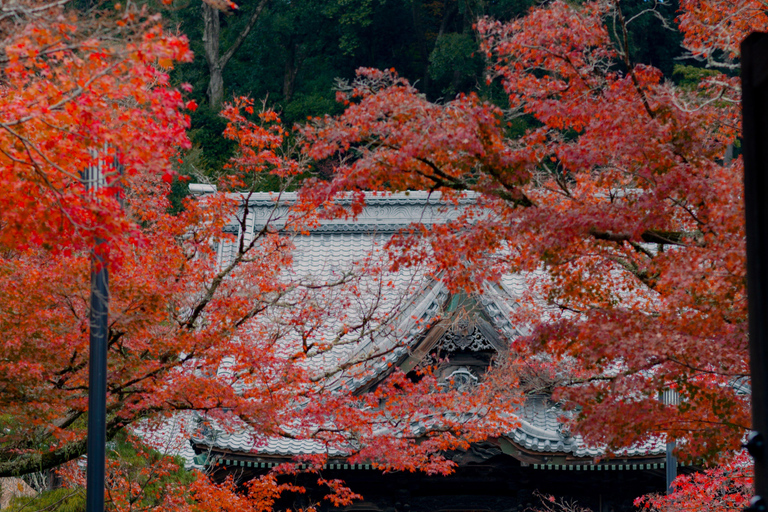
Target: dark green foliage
x,y
179,190
57,500
691,76
299,47
306,105
206,133
132,461
651,40
353,18
506,10
455,64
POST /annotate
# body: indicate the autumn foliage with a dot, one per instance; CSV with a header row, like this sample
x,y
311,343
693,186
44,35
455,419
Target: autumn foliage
x,y
719,489
75,83
617,200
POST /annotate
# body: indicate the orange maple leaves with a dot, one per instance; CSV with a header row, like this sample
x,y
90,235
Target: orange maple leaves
x,y
616,197
723,488
73,86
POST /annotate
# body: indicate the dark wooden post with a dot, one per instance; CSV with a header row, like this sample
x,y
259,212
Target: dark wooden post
x,y
754,83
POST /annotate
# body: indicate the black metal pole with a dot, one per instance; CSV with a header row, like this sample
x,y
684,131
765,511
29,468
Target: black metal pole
x,y
754,83
670,464
670,397
97,373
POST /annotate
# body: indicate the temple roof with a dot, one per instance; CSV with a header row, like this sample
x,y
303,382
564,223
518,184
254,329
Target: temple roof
x,y
419,305
540,431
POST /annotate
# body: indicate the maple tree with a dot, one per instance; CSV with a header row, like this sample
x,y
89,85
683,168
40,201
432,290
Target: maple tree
x,y
617,200
191,330
76,87
75,83
725,487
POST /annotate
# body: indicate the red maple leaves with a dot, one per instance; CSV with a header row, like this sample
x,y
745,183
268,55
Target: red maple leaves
x,y
73,96
616,196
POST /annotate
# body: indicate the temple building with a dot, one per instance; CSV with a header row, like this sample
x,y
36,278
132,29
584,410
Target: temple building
x,y
465,334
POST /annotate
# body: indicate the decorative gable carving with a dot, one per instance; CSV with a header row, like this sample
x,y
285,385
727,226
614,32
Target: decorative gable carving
x,y
454,340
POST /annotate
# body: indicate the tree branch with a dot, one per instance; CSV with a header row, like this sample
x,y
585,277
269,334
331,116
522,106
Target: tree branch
x,y
243,34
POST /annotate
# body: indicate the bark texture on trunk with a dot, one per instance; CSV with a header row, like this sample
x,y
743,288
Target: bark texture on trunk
x,y
293,61
211,36
211,43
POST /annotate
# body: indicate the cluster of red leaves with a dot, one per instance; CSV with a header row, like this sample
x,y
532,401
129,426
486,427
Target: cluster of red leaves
x,y
75,90
258,143
256,495
721,489
714,29
401,141
260,494
616,198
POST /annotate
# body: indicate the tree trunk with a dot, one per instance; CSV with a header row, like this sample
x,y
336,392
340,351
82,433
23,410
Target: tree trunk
x,y
294,59
211,35
217,63
215,90
422,44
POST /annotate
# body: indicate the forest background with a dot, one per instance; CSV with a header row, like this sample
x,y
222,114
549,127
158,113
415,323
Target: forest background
x,y
296,51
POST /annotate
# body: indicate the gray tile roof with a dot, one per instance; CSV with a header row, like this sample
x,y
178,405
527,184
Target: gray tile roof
x,y
171,436
411,302
540,431
382,214
244,443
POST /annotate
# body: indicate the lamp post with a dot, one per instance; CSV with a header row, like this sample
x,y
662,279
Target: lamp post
x,y
670,397
754,87
97,373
